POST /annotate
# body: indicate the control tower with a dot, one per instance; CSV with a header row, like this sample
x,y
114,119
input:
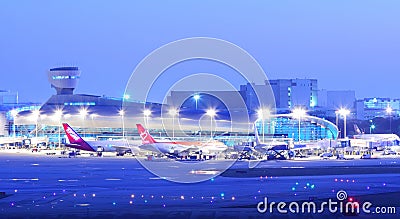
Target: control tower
x,y
64,79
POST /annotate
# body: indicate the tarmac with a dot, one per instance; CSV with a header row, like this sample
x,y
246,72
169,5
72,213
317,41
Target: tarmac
x,y
40,186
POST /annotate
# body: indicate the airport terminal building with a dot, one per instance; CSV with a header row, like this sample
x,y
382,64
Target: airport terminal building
x,y
93,115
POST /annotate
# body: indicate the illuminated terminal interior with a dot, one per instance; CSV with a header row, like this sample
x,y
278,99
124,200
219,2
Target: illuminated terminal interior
x,y
287,126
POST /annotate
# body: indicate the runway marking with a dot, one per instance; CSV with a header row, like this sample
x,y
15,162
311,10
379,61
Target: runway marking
x,y
204,172
16,179
68,180
294,167
158,178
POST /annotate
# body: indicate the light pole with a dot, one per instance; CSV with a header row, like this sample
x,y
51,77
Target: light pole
x,y
344,112
389,111
173,112
125,97
298,113
122,113
36,114
211,113
146,114
83,113
372,127
92,116
337,118
58,115
14,114
262,115
196,97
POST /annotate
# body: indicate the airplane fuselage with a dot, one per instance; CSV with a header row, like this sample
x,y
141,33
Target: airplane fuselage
x,y
163,147
107,146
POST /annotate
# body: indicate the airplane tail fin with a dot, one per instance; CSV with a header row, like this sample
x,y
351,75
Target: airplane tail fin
x,y
76,140
145,135
357,129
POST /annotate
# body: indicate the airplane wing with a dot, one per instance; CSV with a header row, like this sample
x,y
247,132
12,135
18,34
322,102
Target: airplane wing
x,y
178,148
121,148
148,147
191,148
277,147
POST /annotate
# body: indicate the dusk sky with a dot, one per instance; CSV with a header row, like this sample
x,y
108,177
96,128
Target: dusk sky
x,y
346,45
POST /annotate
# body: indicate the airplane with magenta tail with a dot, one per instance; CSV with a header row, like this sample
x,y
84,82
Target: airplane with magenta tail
x,y
76,141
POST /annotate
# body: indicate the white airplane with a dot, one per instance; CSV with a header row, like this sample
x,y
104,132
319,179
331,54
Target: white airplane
x,y
263,147
119,146
210,147
176,148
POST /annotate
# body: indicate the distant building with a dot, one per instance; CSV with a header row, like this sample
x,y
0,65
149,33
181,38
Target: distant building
x,y
249,94
322,99
341,99
8,98
330,101
288,94
291,93
205,100
369,108
245,99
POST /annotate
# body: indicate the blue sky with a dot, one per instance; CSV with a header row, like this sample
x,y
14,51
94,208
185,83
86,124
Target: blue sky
x,y
344,44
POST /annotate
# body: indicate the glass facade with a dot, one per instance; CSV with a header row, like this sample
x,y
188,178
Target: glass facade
x,y
284,125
